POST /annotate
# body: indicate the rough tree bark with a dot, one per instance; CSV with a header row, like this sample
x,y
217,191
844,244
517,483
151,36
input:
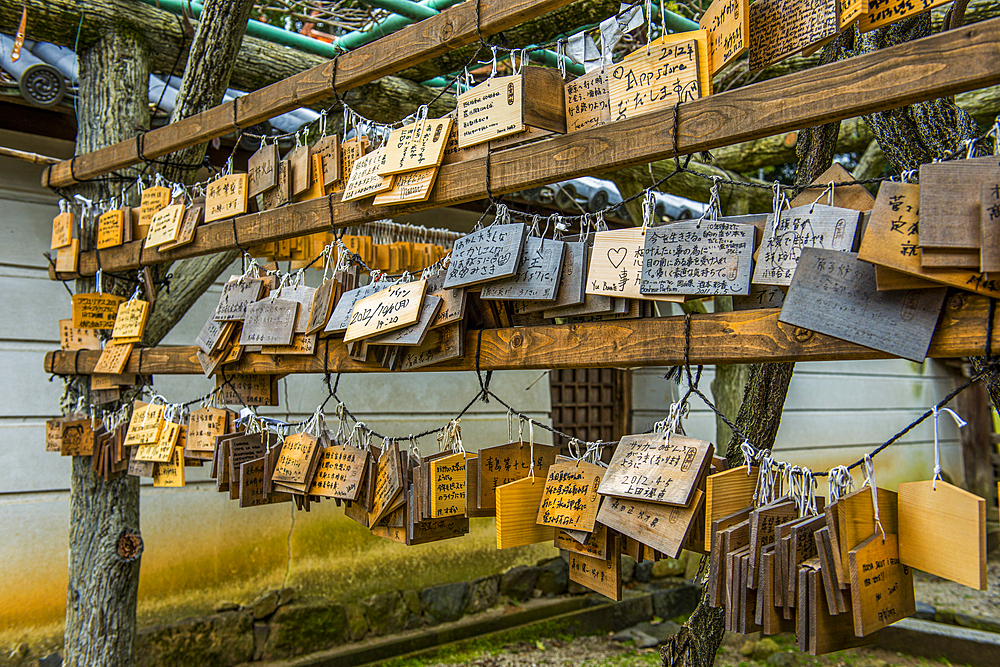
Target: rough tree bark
x,y
103,586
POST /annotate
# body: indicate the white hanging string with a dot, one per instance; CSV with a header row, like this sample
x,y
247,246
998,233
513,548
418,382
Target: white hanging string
x,y
869,469
959,422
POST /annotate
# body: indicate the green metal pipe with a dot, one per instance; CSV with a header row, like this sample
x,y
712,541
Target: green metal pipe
x,y
407,8
390,25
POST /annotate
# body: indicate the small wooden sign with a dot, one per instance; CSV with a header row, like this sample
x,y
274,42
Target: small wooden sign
x,y
153,200
727,492
161,449
328,148
165,225
204,426
517,508
76,437
950,210
452,301
130,322
226,197
113,358
321,307
412,186
339,473
262,171
508,463
595,544
657,467
389,483
989,227
855,514
269,322
247,389
648,82
537,277
237,294
835,293
95,311
851,11
414,334
170,473
144,426
616,261
891,240
943,531
597,574
340,318
780,28
447,486
297,454
570,500
111,229
812,226
706,258
188,228
214,335
252,482
62,230
587,101
663,527
351,150
881,586
416,146
884,12
281,193
760,296
441,344
392,308
492,109
492,253
71,338
299,160
68,257
364,180
728,25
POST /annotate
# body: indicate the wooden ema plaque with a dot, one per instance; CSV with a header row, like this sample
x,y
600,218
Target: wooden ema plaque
x,y
71,338
226,197
269,322
727,23
62,230
113,358
188,228
663,527
884,12
727,492
204,426
452,301
828,632
389,483
76,438
301,345
831,580
68,257
340,318
321,306
110,229
499,106
328,149
252,482
780,28
881,586
587,101
170,473
237,294
892,240
517,506
508,463
165,225
339,473
616,261
537,276
989,227
763,522
247,389
602,575
489,254
851,11
262,172
706,258
949,517
416,146
297,454
570,499
594,545
812,226
414,334
160,449
130,322
950,210
439,345
834,293
413,186
364,180
95,311
447,480
144,426
855,515
645,83
153,200
392,308
281,193
659,468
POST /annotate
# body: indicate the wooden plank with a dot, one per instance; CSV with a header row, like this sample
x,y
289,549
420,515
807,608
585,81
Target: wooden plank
x,y
422,41
881,586
943,531
803,99
599,574
743,337
834,596
658,467
728,26
727,492
570,500
662,527
517,508
831,633
856,520
779,28
949,201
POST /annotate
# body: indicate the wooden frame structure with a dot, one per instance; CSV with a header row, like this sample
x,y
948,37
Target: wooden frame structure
x,y
942,64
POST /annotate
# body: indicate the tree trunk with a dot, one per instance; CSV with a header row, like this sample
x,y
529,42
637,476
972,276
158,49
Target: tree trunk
x,y
104,516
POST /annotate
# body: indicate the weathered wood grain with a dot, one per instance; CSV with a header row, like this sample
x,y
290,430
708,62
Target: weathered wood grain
x,y
844,89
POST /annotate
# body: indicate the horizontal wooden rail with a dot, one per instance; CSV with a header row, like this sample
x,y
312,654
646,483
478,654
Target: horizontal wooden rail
x,y
943,64
452,28
722,338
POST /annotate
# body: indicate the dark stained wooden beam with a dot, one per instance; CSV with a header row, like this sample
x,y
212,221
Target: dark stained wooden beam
x,y
720,338
942,64
454,27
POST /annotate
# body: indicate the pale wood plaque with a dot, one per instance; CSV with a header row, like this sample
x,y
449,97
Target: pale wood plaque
x,y
517,508
492,253
950,211
113,358
706,258
601,575
95,311
570,500
728,25
110,229
537,276
644,83
71,338
663,527
226,197
657,468
416,146
881,586
492,109
130,322
262,172
364,179
269,322
780,28
153,200
390,309
62,230
812,226
884,12
165,225
587,101
412,186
